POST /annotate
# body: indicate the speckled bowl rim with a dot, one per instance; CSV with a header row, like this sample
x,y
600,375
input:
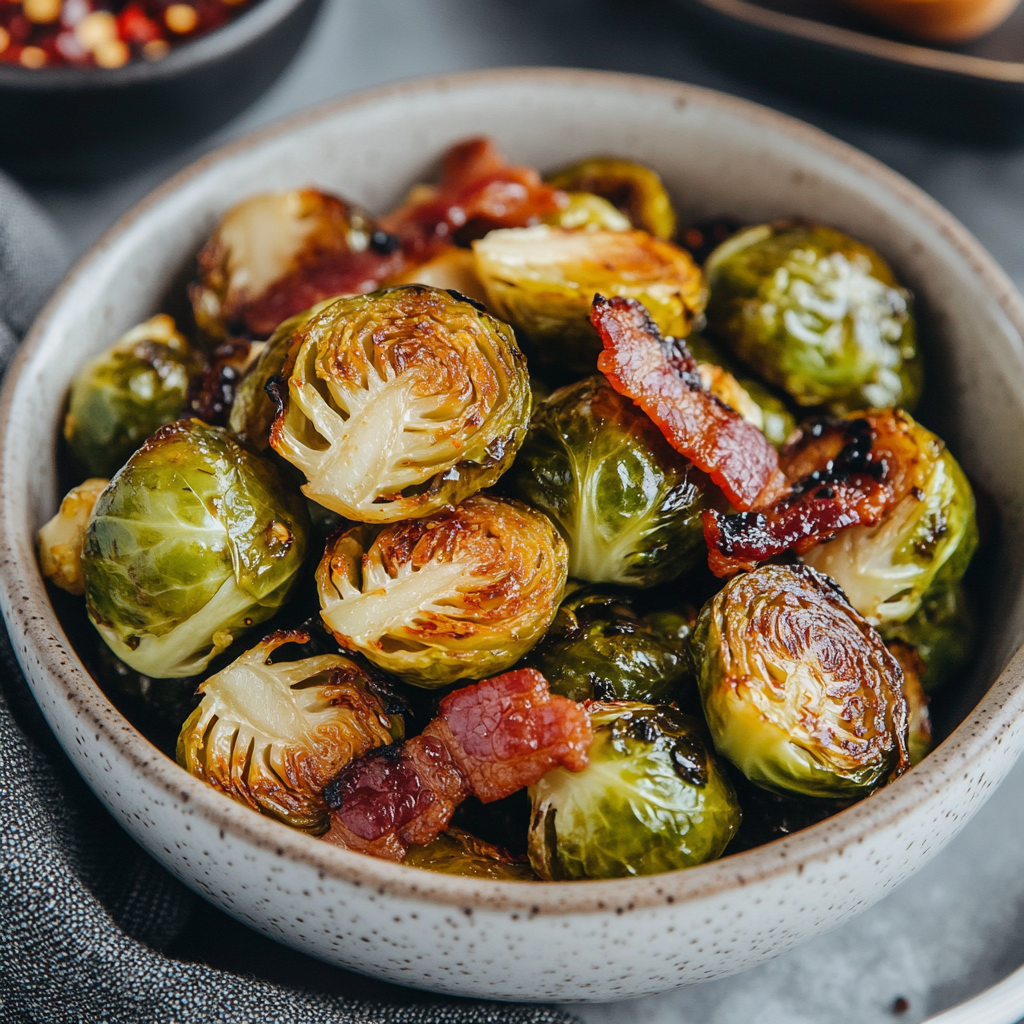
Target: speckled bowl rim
x,y
34,617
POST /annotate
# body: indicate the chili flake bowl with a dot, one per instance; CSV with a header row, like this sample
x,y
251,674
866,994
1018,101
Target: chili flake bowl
x,y
521,940
65,123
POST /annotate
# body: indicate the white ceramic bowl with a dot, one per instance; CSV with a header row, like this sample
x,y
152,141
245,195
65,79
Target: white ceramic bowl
x,y
565,941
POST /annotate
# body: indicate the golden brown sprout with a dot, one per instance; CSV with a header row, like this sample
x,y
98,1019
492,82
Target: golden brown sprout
x,y
264,241
61,540
636,190
798,689
271,736
460,594
402,402
543,279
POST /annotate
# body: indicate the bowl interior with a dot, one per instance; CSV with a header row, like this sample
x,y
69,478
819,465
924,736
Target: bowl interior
x,y
718,157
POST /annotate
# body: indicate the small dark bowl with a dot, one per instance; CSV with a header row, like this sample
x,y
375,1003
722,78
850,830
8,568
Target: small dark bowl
x,y
64,124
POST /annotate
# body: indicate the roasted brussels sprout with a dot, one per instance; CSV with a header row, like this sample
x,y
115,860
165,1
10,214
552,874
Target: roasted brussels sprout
x,y
627,503
271,736
747,395
194,541
636,190
798,689
919,722
942,632
402,402
543,279
276,254
925,540
598,647
590,212
459,853
816,313
127,393
653,798
61,540
461,594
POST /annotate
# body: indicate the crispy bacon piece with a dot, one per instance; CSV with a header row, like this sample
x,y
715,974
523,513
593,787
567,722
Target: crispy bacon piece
x,y
478,192
321,276
489,740
660,376
508,731
395,797
844,473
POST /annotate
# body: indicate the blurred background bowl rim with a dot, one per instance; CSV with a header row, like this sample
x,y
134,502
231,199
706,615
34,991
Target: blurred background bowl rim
x,y
1000,707
880,47
251,24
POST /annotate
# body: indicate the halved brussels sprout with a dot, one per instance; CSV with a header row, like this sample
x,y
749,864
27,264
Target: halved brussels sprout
x,y
590,212
265,260
636,190
798,689
62,538
194,541
452,269
919,721
942,632
543,280
402,402
653,798
925,541
599,647
461,594
723,377
816,313
628,504
127,393
271,736
456,852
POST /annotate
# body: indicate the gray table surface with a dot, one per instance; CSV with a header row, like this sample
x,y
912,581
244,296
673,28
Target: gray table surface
x,y
958,925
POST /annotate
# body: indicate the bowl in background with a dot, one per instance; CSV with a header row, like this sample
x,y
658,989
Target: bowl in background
x,y
538,941
67,123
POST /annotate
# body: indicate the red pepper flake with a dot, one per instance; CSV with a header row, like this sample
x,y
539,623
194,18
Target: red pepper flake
x,y
104,33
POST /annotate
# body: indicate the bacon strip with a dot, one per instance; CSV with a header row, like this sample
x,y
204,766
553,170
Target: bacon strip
x,y
489,740
661,377
478,192
319,277
849,486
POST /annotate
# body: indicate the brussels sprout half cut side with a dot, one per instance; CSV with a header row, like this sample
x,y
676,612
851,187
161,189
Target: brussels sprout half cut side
x,y
401,402
271,736
196,540
653,798
816,313
627,503
798,689
461,594
543,279
262,244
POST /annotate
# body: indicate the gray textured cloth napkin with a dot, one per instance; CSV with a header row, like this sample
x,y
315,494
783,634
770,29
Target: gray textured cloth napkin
x,y
84,912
